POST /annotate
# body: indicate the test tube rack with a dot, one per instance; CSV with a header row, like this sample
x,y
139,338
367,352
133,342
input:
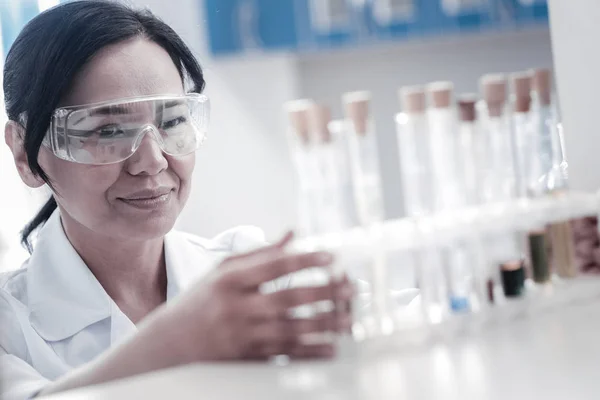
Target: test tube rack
x,y
406,234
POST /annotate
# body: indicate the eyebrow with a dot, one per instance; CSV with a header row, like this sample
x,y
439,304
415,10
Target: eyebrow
x,y
123,110
117,110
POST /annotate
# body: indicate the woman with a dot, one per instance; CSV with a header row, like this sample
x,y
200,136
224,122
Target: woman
x,y
104,108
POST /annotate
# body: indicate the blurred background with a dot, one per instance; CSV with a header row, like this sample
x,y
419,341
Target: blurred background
x,y
258,54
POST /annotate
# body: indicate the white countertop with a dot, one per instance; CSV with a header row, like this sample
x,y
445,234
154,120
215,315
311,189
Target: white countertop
x,y
552,354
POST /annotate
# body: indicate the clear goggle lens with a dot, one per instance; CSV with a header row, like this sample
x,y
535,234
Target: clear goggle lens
x,y
111,132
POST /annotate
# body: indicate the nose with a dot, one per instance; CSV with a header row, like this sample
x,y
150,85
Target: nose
x,y
148,159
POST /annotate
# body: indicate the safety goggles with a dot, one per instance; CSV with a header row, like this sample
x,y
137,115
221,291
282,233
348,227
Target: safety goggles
x,y
111,132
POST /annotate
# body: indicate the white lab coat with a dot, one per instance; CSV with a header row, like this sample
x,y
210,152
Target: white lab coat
x,y
55,315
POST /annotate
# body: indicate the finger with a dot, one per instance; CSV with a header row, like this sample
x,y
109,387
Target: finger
x,y
344,295
301,351
250,273
293,349
263,351
285,330
277,304
259,255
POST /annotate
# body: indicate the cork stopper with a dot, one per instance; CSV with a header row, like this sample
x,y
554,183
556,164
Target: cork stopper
x,y
412,99
298,112
542,85
522,86
356,105
494,90
440,94
467,107
320,117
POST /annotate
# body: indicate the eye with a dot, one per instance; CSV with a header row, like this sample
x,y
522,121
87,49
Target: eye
x,y
110,131
172,123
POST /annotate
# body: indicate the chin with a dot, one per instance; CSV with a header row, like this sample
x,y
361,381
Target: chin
x,y
148,227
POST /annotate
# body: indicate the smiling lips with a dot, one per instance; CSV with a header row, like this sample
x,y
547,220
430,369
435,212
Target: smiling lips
x,y
148,199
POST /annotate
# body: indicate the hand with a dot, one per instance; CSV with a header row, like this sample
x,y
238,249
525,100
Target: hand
x,y
226,317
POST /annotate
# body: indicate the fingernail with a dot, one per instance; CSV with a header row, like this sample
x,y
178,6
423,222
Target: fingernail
x,y
324,257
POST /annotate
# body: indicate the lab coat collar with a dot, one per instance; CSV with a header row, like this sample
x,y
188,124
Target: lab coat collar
x,y
65,297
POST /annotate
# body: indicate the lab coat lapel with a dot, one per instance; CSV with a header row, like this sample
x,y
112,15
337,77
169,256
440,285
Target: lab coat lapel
x,y
64,295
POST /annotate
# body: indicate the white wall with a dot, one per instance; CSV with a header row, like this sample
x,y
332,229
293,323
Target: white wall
x,y
575,32
382,70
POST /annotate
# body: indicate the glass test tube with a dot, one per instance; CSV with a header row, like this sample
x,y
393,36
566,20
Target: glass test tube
x,y
366,179
500,178
551,173
304,147
339,146
415,166
332,217
471,147
523,131
364,158
305,163
448,189
443,147
414,150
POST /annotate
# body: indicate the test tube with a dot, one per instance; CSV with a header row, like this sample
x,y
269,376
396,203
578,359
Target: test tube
x,y
302,147
523,130
550,172
472,153
469,147
364,157
448,189
366,179
443,149
415,166
330,192
497,129
338,131
414,151
500,179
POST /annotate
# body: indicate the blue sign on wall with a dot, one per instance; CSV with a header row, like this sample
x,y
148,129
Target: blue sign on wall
x,y
523,11
238,25
235,26
464,15
394,18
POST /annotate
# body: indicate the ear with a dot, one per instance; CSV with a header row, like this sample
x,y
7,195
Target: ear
x,y
13,135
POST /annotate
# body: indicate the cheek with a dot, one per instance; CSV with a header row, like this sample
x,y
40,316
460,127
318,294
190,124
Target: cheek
x,y
183,168
73,182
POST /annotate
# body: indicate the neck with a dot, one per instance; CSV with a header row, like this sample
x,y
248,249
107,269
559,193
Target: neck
x,y
133,273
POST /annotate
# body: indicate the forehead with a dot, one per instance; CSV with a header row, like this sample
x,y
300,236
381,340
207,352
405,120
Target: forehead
x,y
135,67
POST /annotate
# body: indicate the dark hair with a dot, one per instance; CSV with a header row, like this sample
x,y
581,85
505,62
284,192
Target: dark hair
x,y
54,46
